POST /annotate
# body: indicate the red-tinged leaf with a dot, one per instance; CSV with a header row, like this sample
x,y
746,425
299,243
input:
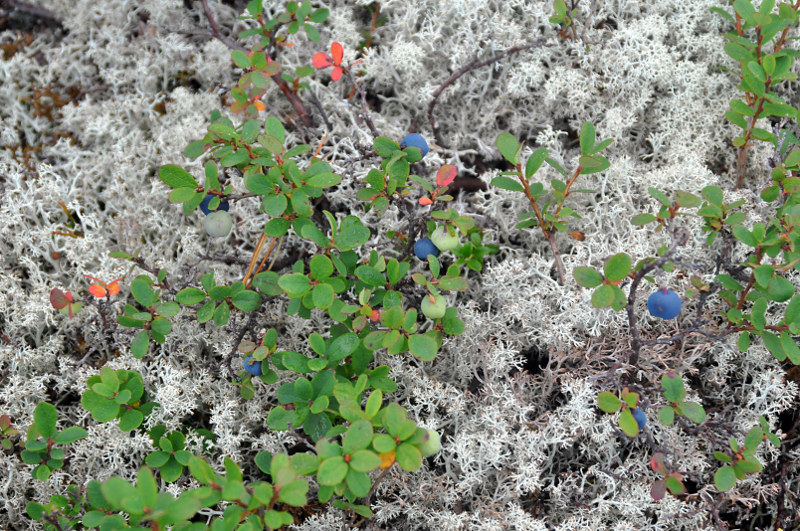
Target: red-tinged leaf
x,y
657,463
59,299
239,107
259,105
97,290
658,490
321,60
337,52
336,75
113,288
425,201
445,175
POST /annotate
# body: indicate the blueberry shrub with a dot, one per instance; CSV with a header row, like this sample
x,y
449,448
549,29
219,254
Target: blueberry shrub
x,y
334,265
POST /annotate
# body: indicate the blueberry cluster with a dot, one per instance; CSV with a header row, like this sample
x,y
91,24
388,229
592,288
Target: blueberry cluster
x,y
218,221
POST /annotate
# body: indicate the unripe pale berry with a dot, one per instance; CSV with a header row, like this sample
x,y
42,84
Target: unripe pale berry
x,y
443,240
664,303
218,224
433,309
432,445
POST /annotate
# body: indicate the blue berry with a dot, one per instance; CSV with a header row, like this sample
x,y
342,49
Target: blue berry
x,y
423,247
252,366
640,417
664,303
223,205
415,140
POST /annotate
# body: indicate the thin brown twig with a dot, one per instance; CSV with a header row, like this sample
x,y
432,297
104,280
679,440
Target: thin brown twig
x,y
364,110
473,65
36,11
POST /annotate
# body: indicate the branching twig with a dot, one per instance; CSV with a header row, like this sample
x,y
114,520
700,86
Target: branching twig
x,y
35,11
473,65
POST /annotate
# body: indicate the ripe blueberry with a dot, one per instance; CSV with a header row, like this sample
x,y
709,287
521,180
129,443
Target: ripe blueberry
x,y
252,366
218,224
423,247
415,140
640,417
223,205
443,240
664,303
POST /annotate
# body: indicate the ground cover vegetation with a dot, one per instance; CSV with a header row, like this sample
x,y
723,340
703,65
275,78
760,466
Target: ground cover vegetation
x,y
559,293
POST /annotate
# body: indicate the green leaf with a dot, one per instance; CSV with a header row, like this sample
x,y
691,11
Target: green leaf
x,y
45,417
666,415
408,456
693,411
352,234
587,138
660,196
643,219
295,284
324,180
332,471
357,437
507,183
246,300
673,387
222,314
241,59
142,292
201,470
508,147
534,162
608,402
758,314
628,424
793,311
323,296
743,342
587,277
343,346
790,347
71,434
780,289
365,461
603,296
725,478
319,15
385,146
176,177
189,296
422,346
774,345
140,344
131,420
617,267
744,236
